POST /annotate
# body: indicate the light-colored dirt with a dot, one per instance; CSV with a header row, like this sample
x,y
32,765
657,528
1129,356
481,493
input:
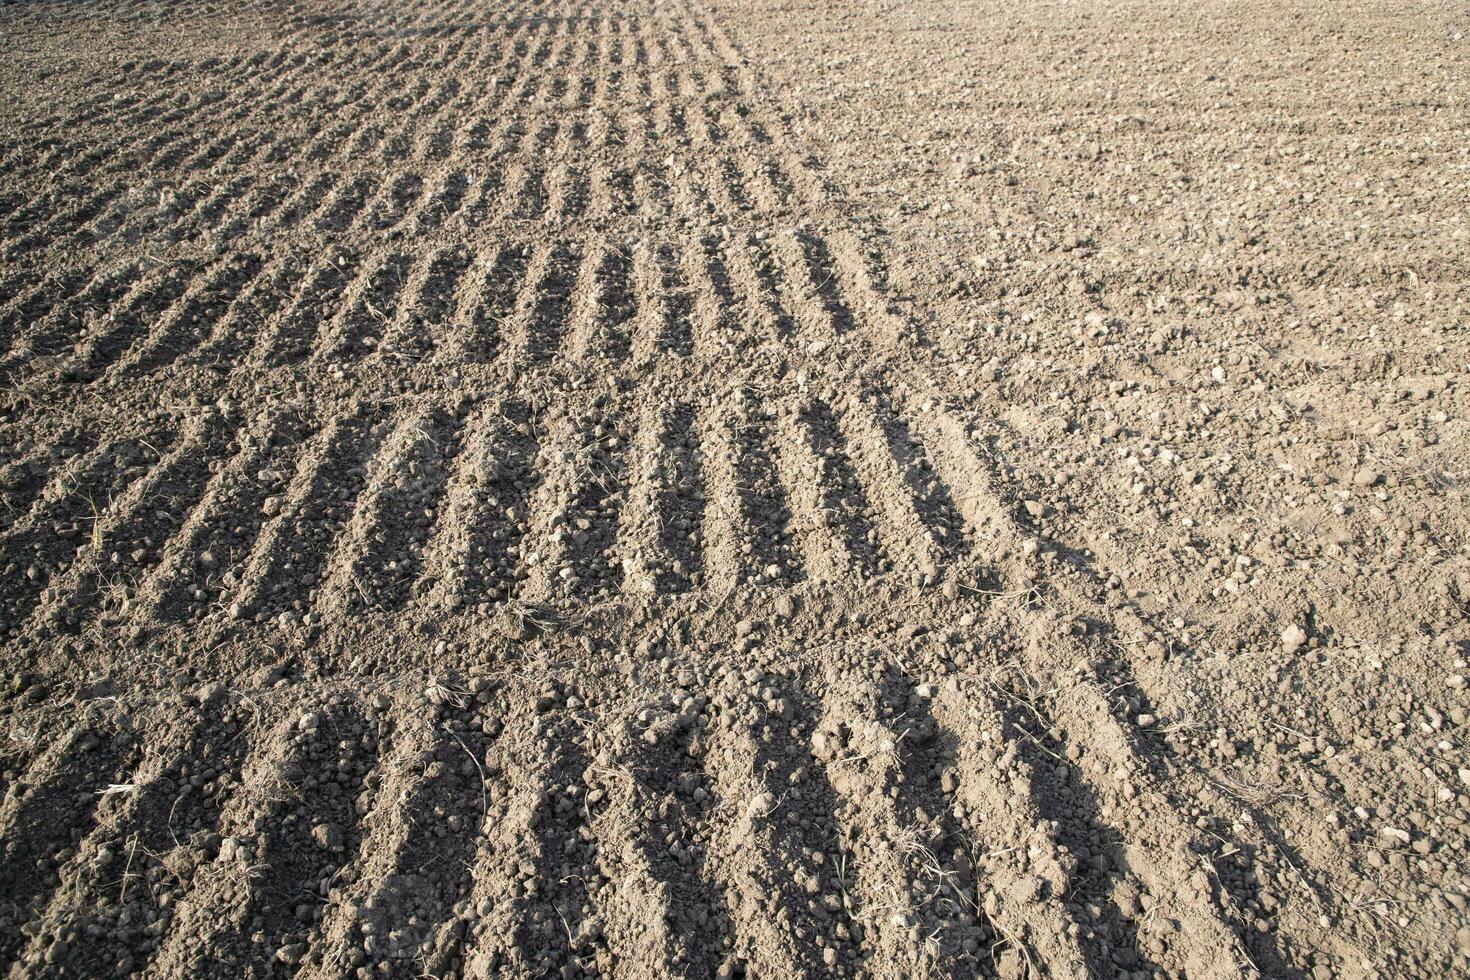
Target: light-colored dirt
x,y
733,488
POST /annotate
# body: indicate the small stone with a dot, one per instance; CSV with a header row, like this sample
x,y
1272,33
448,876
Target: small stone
x,y
1394,834
1293,638
291,953
1034,507
1366,477
272,506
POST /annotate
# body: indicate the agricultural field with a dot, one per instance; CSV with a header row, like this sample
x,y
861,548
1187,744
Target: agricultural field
x,y
734,488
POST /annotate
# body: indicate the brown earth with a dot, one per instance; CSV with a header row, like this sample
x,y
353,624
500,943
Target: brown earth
x,y
747,488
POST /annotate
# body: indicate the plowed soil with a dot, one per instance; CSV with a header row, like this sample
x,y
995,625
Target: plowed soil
x,y
733,488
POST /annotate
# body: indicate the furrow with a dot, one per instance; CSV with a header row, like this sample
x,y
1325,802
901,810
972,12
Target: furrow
x,y
22,480
567,183
905,861
805,281
347,205
1023,877
1187,928
367,311
526,198
152,836
265,196
739,83
710,304
291,210
395,203
404,905
378,554
281,578
603,308
107,339
490,296
538,867
473,558
193,319
973,493
126,538
46,814
860,288
747,518
64,225
509,133
243,326
541,317
68,517
157,223
831,516
284,840
782,874
214,211
754,281
610,192
665,324
664,912
661,538
574,511
445,201
292,334
894,491
421,326
197,566
40,295
1165,861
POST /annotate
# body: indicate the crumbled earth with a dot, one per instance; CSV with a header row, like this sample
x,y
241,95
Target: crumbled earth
x,y
733,489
